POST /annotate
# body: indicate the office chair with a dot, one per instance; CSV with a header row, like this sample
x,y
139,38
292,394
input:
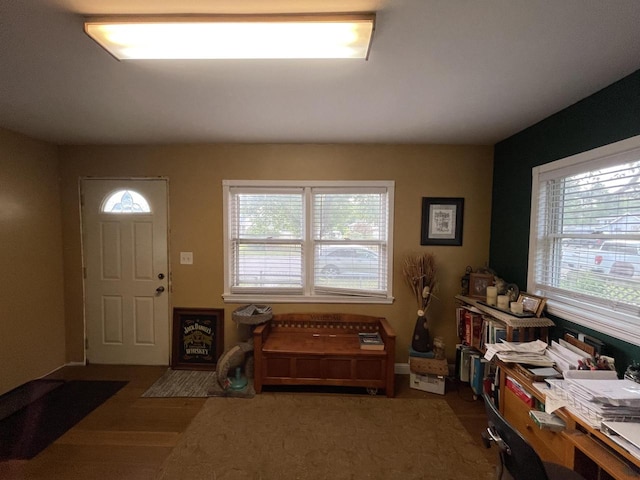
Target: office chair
x,y
518,459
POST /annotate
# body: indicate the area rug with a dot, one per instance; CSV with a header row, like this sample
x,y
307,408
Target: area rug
x,y
313,437
182,383
29,430
23,395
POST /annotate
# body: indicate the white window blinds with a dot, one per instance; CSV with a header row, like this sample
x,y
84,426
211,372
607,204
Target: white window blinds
x,y
311,240
266,240
585,249
350,230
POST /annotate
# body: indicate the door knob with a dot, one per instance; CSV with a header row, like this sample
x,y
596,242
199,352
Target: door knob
x,y
159,290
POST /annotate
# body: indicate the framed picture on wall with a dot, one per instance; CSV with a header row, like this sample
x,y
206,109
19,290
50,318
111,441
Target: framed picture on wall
x,y
442,221
198,338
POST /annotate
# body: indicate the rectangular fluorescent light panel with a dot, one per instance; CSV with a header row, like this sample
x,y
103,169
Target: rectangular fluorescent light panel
x,y
234,36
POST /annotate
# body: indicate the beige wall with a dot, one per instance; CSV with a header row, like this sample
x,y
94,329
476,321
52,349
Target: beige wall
x,y
195,184
32,332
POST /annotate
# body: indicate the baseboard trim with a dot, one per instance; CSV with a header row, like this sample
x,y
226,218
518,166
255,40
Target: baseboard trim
x,y
401,369
69,364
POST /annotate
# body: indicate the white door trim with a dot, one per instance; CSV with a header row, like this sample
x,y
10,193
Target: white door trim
x,y
83,259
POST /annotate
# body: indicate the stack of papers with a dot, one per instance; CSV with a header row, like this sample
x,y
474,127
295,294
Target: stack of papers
x,y
545,372
566,356
595,396
625,434
529,353
615,393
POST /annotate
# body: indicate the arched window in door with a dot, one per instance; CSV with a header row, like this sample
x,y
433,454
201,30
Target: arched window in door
x,y
125,201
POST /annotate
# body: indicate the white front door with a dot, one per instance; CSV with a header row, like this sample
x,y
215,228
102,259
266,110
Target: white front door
x,y
124,225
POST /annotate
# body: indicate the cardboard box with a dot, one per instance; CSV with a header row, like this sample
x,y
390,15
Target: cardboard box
x,y
428,366
427,383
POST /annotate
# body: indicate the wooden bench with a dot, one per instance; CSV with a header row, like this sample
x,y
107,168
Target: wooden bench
x,y
323,349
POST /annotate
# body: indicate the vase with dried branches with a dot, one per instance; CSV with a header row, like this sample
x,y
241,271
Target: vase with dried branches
x,y
419,271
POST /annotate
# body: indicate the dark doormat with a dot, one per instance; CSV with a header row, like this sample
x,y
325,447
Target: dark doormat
x,y
28,431
23,395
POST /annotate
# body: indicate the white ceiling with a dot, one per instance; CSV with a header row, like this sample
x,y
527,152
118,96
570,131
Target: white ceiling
x,y
439,71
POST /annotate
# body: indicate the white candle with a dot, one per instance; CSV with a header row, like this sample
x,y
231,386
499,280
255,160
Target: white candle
x,y
492,293
516,307
503,302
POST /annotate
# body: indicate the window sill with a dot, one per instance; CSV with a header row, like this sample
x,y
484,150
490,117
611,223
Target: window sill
x,y
237,298
618,325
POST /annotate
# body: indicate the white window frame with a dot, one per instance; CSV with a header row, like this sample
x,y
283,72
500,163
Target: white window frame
x,y
623,325
142,201
307,295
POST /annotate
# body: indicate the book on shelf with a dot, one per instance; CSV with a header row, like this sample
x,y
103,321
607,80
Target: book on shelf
x,y
370,341
463,362
547,421
460,322
520,391
478,372
473,329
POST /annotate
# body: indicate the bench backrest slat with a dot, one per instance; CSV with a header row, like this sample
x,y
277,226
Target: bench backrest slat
x,y
324,322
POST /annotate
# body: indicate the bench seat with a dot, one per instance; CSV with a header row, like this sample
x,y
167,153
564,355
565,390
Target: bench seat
x,y
323,349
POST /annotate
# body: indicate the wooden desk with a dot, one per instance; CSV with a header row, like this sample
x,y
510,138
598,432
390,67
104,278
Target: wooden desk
x,y
580,447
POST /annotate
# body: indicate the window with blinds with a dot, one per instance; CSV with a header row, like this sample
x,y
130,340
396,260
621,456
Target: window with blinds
x,y
585,238
308,241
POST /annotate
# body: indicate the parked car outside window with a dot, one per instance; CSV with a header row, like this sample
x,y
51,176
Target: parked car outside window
x,y
614,257
348,260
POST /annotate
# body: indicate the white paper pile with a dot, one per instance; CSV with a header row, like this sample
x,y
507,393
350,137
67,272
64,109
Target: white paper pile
x,y
528,353
595,396
566,356
625,434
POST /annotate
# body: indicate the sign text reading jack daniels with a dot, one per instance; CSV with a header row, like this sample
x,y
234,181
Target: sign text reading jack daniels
x,y
198,338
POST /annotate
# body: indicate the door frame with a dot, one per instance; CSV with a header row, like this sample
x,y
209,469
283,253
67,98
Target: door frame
x,y
83,262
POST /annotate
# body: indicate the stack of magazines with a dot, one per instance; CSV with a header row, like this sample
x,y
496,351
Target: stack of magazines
x,y
595,396
529,353
370,341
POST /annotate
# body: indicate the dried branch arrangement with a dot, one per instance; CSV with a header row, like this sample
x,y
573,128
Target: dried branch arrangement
x,y
420,274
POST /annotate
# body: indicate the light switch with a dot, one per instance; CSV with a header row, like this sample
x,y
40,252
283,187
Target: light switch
x,y
186,258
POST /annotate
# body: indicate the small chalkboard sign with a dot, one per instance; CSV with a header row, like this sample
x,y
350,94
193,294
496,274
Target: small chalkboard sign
x,y
198,338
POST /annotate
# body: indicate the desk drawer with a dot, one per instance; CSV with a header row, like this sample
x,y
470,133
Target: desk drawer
x,y
549,445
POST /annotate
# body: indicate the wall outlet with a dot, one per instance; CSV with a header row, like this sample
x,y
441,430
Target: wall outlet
x,y
186,258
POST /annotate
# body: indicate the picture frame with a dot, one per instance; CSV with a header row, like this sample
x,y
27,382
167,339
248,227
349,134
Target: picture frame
x,y
478,283
198,338
532,303
442,219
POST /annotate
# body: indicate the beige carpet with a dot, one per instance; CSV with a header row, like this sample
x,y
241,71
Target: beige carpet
x,y
277,436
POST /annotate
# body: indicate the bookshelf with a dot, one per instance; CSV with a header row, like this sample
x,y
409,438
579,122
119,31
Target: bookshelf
x,y
516,329
480,324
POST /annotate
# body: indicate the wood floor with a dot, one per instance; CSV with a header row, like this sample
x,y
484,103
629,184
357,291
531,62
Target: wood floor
x,y
128,437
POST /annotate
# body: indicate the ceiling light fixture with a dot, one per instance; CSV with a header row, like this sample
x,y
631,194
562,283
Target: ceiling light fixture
x,y
233,36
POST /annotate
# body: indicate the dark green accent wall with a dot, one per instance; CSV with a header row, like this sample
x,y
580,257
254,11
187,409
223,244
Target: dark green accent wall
x,y
608,116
